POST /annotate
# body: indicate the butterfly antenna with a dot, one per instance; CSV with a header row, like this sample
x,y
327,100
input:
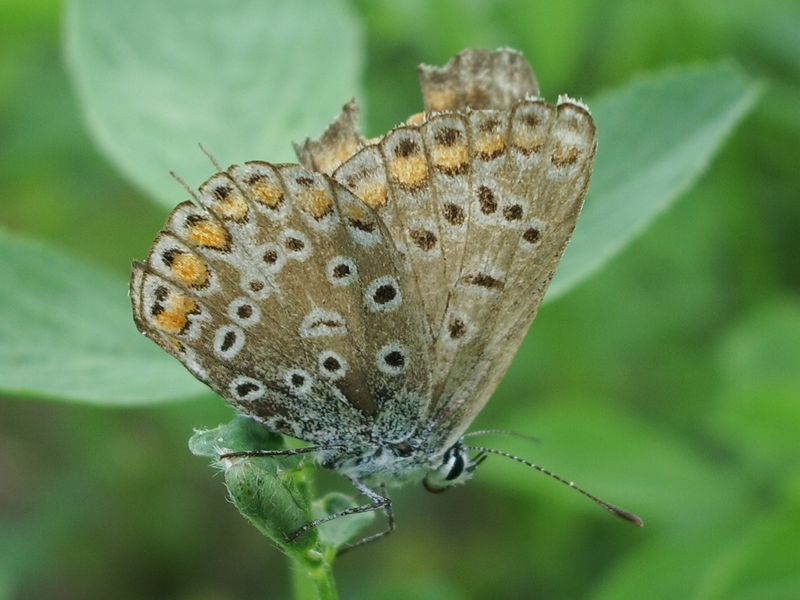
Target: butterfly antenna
x,y
185,186
507,432
623,514
476,462
210,156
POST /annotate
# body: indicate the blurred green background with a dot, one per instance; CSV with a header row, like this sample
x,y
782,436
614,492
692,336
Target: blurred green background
x,y
669,382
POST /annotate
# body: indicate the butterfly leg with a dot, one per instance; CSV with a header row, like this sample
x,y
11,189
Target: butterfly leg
x,y
378,502
376,536
282,452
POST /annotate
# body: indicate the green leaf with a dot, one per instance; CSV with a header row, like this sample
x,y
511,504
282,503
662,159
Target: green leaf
x,y
655,137
269,491
241,434
272,499
760,563
243,79
67,333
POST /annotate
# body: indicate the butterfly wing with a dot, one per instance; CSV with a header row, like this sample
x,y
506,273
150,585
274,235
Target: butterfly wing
x,y
340,141
481,198
285,294
478,79
525,202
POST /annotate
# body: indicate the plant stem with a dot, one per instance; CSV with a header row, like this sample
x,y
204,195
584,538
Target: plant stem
x,y
313,582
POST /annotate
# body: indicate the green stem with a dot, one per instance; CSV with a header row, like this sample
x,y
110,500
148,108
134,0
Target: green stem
x,y
313,582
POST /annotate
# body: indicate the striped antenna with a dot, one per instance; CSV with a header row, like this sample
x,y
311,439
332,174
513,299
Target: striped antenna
x,y
616,510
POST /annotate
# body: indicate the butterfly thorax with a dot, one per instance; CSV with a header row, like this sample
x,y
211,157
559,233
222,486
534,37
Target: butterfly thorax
x,y
397,464
380,462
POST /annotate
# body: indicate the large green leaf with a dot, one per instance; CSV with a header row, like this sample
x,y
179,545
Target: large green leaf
x,y
66,332
245,79
655,136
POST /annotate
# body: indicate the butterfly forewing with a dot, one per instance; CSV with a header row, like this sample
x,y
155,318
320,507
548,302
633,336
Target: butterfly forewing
x,y
548,167
285,293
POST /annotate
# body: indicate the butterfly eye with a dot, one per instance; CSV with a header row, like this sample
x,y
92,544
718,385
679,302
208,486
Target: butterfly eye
x,y
456,466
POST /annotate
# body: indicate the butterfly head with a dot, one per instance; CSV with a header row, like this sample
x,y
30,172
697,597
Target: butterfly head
x,y
456,467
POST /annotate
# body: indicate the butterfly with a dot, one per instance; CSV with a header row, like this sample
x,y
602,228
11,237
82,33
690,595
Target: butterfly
x,y
369,299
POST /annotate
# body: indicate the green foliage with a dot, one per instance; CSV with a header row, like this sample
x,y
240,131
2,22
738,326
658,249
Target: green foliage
x,y
656,135
668,384
68,334
244,80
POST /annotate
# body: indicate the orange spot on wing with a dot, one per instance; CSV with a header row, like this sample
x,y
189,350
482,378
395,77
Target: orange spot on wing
x,y
317,203
233,208
564,156
450,159
190,270
409,171
374,195
267,193
209,235
528,142
355,212
489,146
175,318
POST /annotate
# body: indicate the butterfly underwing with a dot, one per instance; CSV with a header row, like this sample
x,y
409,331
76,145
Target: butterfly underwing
x,y
369,299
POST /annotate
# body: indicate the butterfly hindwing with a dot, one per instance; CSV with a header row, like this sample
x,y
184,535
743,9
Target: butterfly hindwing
x,y
340,141
478,79
285,293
